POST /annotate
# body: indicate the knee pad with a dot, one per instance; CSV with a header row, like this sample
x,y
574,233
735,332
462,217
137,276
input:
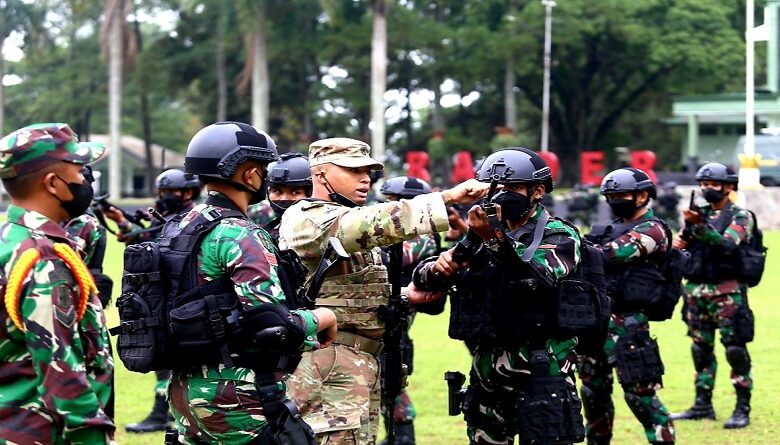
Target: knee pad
x,y
642,412
738,358
702,355
594,401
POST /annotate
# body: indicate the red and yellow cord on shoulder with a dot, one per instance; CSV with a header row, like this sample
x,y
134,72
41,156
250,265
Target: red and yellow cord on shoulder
x,y
24,266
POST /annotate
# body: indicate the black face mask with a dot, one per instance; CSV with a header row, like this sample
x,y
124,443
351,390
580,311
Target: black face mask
x,y
514,206
170,203
623,208
713,195
82,197
257,195
281,205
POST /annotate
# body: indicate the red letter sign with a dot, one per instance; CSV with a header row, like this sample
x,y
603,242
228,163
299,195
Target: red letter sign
x,y
645,161
463,168
417,165
591,167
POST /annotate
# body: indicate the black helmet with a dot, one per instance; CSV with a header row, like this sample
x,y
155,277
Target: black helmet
x,y
405,187
176,179
627,180
715,171
291,170
516,165
216,151
376,175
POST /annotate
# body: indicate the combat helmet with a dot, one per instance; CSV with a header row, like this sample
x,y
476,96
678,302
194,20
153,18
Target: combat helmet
x,y
715,171
216,151
176,179
516,165
405,187
627,180
291,170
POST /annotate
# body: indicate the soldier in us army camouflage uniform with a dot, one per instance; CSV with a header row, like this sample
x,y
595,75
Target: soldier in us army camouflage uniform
x,y
501,306
55,363
716,297
633,239
221,403
338,387
414,251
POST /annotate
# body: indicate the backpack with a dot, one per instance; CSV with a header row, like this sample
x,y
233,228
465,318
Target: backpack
x,y
169,321
752,256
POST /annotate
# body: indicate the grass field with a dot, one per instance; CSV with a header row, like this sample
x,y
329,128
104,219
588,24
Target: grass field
x,y
436,353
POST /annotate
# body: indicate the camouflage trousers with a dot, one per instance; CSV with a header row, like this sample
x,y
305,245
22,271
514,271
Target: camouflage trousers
x,y
495,371
709,311
595,371
403,411
337,391
163,378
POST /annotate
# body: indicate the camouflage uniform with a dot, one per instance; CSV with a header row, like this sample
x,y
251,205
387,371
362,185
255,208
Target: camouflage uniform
x,y
55,362
337,388
501,370
646,238
220,404
261,213
715,306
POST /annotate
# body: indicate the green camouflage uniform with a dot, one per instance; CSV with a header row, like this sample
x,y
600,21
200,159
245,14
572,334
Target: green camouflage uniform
x,y
496,369
86,232
55,376
714,306
647,238
219,404
261,213
337,388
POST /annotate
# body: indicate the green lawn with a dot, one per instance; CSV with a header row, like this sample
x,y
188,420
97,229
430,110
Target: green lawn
x,y
436,353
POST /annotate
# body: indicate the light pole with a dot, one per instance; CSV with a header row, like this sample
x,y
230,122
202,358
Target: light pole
x,y
548,5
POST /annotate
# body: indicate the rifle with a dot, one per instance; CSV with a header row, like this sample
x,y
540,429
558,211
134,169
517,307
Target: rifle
x,y
101,203
333,254
468,246
396,318
694,208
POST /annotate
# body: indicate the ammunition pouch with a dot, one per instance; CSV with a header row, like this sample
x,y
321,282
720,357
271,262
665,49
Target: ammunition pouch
x,y
549,412
638,358
742,327
751,263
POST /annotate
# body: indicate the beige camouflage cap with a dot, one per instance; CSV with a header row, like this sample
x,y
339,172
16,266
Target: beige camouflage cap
x,y
343,152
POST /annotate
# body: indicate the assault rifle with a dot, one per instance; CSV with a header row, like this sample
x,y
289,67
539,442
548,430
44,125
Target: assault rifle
x,y
694,208
468,246
100,204
396,318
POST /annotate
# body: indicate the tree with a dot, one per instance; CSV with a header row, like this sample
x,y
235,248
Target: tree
x,y
378,76
255,72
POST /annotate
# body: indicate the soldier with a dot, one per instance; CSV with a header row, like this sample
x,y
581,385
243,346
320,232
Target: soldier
x,y
414,251
261,213
668,200
177,193
505,290
582,204
633,244
342,406
55,362
289,180
242,403
716,295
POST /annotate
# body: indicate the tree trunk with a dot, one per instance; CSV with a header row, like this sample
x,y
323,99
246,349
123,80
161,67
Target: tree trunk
x,y
146,125
378,77
260,81
115,55
220,64
510,101
2,88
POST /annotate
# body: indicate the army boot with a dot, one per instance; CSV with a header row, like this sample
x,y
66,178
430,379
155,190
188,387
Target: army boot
x,y
157,420
404,435
741,416
701,409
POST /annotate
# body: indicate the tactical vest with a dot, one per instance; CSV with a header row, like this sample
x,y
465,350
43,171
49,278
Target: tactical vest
x,y
494,303
356,295
709,263
649,284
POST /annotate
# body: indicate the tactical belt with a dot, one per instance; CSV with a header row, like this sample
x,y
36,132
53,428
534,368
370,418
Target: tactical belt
x,y
359,342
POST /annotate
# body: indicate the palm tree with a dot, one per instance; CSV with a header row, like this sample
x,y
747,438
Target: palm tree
x,y
113,33
253,23
378,76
